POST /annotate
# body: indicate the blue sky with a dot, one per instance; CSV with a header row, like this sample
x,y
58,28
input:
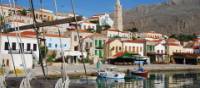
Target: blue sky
x,y
87,7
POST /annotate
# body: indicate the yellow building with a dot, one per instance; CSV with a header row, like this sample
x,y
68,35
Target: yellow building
x,y
112,47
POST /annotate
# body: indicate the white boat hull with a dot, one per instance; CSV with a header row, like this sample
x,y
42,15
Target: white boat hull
x,y
112,75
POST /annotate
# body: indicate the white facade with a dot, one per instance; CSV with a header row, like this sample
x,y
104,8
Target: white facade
x,y
105,20
29,46
160,48
7,61
87,25
53,43
114,33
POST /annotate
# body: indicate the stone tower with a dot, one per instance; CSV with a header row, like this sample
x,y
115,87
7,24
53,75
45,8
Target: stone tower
x,y
118,19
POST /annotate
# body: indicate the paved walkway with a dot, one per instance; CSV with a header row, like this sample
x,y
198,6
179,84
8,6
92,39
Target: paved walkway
x,y
78,69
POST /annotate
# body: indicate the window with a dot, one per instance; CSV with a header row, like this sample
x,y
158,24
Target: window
x,y
49,45
34,47
96,42
56,45
120,48
13,46
100,43
137,49
87,44
140,49
90,44
28,47
162,52
129,48
6,46
21,46
133,49
116,49
158,51
75,38
96,52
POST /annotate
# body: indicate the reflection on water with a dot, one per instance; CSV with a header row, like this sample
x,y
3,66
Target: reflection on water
x,y
155,80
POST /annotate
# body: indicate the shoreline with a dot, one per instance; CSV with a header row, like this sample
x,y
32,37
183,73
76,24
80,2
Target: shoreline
x,y
77,70
91,71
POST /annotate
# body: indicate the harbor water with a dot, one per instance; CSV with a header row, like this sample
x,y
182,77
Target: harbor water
x,y
169,79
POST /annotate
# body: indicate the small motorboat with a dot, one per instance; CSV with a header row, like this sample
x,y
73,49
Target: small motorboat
x,y
140,71
110,73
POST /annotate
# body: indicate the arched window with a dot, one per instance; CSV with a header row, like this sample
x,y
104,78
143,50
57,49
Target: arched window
x,y
7,62
137,50
134,49
129,48
125,48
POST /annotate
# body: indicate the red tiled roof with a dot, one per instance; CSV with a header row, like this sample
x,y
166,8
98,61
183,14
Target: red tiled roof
x,y
172,40
196,47
53,35
21,35
135,41
172,44
154,40
119,54
113,29
109,41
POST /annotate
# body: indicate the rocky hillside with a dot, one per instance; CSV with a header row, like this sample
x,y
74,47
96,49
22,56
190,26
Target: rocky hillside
x,y
173,16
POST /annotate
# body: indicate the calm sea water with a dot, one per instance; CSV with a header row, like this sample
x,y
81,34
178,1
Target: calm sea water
x,y
179,79
155,80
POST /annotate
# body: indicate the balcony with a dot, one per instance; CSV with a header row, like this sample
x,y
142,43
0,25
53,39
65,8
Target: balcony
x,y
99,47
18,52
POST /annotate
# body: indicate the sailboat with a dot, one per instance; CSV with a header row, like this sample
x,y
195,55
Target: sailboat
x,y
109,72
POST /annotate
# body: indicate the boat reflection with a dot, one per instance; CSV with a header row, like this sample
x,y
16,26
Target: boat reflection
x,y
155,80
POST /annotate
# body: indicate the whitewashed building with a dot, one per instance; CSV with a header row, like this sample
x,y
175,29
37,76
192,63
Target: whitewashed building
x,y
112,33
10,50
53,42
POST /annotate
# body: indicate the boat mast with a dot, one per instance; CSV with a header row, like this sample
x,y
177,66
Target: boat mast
x,y
63,67
80,43
37,36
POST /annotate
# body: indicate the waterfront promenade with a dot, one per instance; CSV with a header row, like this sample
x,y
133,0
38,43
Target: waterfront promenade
x,y
78,70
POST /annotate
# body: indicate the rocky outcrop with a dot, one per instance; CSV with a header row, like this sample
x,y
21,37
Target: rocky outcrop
x,y
174,16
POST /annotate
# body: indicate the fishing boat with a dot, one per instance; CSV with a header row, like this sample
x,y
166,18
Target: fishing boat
x,y
140,72
111,73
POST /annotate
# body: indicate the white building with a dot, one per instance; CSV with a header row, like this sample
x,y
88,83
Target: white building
x,y
53,42
87,25
115,33
10,47
102,19
160,47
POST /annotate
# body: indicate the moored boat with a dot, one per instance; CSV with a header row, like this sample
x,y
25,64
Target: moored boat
x,y
110,73
140,73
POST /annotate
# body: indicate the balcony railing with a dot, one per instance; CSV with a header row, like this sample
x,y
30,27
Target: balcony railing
x,y
19,52
99,47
